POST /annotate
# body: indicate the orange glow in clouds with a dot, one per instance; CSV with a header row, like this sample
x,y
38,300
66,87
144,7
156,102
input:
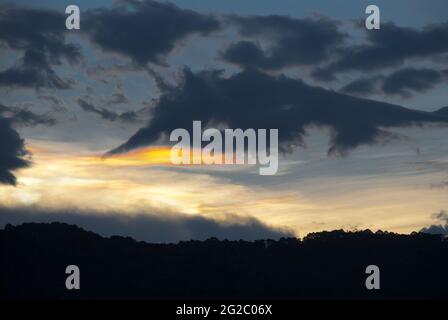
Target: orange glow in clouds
x,y
160,155
141,157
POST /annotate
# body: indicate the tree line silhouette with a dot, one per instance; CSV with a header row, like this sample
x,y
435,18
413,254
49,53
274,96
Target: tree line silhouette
x,y
323,265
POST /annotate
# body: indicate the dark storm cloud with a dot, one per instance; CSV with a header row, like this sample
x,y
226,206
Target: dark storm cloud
x,y
251,99
291,41
442,227
406,81
389,47
12,152
166,227
128,116
21,116
144,30
39,35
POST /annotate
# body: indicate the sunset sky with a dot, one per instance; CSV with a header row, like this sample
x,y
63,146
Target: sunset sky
x,y
360,115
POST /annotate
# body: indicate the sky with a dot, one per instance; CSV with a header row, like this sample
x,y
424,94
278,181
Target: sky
x,y
361,114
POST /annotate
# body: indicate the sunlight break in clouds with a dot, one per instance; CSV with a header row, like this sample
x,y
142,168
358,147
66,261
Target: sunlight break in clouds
x,y
144,181
131,183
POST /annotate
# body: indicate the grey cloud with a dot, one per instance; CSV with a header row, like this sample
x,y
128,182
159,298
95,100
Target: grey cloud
x,y
406,81
166,227
54,100
56,103
128,116
440,185
291,41
251,99
101,72
144,30
362,86
40,35
390,46
118,98
36,29
12,152
33,71
442,227
21,116
31,78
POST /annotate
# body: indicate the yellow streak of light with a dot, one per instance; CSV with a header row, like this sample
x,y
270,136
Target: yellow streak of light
x,y
140,157
160,156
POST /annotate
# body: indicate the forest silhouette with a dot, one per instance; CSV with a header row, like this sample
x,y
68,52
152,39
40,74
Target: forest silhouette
x,y
324,265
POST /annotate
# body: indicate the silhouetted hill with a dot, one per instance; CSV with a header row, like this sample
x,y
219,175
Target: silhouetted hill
x,y
322,265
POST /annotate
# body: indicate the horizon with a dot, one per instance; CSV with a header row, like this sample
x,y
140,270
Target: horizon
x,y
85,116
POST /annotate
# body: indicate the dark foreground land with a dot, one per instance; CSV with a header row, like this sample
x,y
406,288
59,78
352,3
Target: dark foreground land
x,y
327,265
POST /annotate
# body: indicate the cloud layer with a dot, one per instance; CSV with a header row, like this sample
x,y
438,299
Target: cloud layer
x,y
149,227
251,99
